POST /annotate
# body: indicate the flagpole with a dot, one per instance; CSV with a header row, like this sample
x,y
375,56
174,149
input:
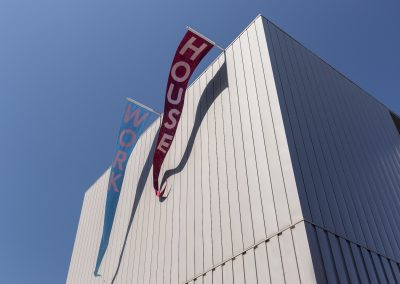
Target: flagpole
x,y
143,106
206,38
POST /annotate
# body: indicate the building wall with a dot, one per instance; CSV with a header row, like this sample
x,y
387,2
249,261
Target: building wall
x,y
232,211
345,152
282,171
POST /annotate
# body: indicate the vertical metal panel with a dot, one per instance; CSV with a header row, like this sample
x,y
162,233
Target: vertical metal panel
x,y
144,245
308,159
250,160
225,199
306,186
80,267
379,269
80,260
133,165
238,270
396,270
388,270
336,251
91,248
345,151
150,237
385,194
152,223
231,173
159,269
205,175
316,253
227,270
250,266
155,246
261,260
261,166
272,187
275,261
92,245
360,267
340,137
94,236
370,266
132,245
168,228
328,145
190,248
72,275
217,275
207,279
361,163
198,89
349,261
213,167
262,126
174,273
327,257
276,128
226,234
131,241
183,208
376,196
289,261
137,258
303,254
243,197
322,146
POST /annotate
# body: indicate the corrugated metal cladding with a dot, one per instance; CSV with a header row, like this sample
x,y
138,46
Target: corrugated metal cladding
x,y
232,213
345,150
281,171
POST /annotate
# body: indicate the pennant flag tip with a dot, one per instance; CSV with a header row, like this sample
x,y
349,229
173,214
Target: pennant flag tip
x,y
160,193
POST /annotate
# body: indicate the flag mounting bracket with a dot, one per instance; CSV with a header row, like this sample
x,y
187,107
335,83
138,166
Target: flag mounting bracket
x,y
143,106
199,34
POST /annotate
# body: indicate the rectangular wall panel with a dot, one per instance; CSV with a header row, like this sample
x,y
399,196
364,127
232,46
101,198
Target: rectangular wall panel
x,y
345,152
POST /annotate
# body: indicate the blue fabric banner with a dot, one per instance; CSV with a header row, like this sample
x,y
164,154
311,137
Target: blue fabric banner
x,y
136,119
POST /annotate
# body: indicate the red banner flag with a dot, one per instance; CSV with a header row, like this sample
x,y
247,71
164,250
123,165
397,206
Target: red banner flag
x,y
190,52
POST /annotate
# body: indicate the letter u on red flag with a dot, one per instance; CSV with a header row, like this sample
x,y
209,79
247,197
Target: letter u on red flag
x,y
190,52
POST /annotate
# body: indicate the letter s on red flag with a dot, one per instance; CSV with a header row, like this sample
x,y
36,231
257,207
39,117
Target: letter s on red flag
x,y
190,52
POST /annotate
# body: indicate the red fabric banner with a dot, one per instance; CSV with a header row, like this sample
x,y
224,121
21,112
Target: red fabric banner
x,y
190,52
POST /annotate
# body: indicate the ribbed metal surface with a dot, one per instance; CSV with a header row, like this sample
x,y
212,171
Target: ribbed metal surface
x,y
281,171
338,260
232,189
345,151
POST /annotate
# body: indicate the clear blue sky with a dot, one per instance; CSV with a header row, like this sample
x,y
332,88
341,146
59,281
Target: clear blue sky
x,y
67,65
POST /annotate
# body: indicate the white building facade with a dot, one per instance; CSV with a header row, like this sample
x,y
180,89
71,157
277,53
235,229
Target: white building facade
x,y
282,171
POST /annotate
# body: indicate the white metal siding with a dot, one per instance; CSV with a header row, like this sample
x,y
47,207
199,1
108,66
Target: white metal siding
x,y
345,152
232,212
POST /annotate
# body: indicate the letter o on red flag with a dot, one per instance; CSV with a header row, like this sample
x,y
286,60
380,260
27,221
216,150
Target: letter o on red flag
x,y
175,68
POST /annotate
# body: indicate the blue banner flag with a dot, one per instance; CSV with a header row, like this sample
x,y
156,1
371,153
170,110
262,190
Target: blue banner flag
x,y
135,120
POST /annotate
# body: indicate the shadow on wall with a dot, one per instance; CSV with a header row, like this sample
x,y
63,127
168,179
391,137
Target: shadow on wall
x,y
214,88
